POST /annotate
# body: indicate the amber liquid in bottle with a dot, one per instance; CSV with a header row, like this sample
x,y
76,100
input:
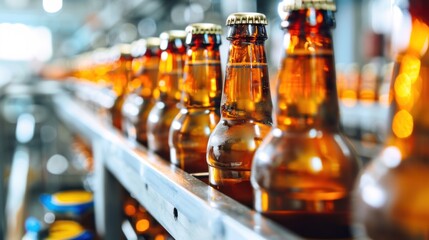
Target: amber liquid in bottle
x,y
246,109
120,77
166,106
139,103
199,114
392,194
304,171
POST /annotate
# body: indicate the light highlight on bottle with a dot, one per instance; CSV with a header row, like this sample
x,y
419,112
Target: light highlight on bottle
x,y
402,124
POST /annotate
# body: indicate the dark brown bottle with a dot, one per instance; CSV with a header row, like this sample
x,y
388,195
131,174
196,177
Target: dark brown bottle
x,y
120,75
304,171
246,108
170,78
392,193
145,65
201,93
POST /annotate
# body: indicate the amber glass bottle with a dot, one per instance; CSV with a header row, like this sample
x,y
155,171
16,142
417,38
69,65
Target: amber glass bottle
x,y
246,108
304,171
392,194
201,93
170,78
137,105
120,76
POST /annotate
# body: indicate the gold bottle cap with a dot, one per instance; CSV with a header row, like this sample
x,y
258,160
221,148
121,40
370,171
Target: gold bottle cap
x,y
246,18
122,49
173,34
153,42
204,28
138,47
290,5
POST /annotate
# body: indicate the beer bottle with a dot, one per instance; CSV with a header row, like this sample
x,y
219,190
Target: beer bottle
x,y
304,171
392,193
202,88
120,76
136,108
246,108
166,106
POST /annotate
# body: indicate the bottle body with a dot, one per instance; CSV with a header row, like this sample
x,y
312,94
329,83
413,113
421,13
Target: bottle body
x,y
304,171
120,76
230,153
169,84
391,194
138,103
302,182
245,113
201,93
189,134
159,121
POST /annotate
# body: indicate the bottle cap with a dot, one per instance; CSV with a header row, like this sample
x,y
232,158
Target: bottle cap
x,y
173,34
124,48
246,18
138,47
153,42
290,5
204,28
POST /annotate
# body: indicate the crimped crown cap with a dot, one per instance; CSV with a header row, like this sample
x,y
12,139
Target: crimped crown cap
x,y
246,18
290,5
173,34
203,28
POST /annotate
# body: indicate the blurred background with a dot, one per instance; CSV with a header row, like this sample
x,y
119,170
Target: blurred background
x,y
34,32
37,35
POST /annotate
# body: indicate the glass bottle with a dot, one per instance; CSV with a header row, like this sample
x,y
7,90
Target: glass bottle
x,y
145,79
120,76
166,106
201,93
304,171
392,193
246,108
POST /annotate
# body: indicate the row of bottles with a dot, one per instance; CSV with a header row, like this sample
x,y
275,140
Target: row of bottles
x,y
304,170
294,166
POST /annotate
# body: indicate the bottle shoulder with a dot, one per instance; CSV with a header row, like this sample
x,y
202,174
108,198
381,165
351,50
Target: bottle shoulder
x,y
395,186
313,152
238,132
197,122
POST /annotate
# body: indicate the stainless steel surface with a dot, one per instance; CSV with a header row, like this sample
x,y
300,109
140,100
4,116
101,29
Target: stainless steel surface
x,y
184,205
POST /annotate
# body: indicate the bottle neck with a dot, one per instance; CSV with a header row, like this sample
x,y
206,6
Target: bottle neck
x,y
202,74
307,93
148,74
122,75
246,94
409,118
170,72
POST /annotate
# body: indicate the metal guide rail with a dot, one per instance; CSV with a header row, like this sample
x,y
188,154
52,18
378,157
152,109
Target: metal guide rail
x,y
187,207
